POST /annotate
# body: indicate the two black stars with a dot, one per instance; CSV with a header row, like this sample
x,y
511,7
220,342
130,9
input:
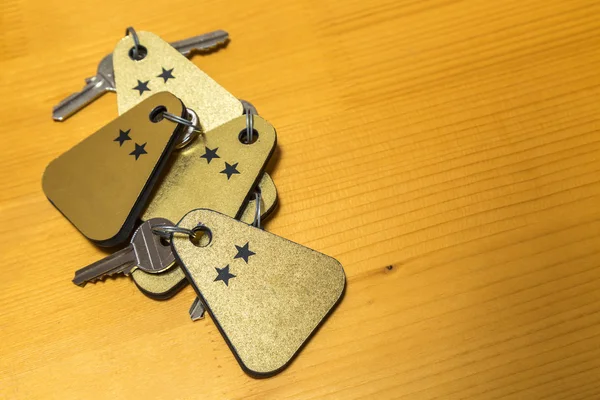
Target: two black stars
x,y
166,74
244,253
230,169
139,148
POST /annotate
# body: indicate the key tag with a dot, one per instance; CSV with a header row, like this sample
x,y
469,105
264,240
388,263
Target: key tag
x,y
221,166
167,284
145,64
102,184
266,294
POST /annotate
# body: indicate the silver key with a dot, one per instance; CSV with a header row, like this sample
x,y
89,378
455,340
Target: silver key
x,y
146,252
104,81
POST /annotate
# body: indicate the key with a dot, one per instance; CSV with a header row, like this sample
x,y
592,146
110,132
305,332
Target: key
x,y
104,80
146,252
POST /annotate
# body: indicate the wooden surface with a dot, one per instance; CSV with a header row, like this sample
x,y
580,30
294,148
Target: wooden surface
x,y
446,152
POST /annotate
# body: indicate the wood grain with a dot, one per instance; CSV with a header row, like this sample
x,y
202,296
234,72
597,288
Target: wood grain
x,y
447,152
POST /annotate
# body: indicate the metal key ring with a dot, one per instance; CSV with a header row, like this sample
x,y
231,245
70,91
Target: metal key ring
x,y
249,127
136,41
182,121
249,111
257,214
190,132
248,107
166,231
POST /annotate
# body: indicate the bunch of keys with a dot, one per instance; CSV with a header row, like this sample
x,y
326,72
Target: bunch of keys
x,y
179,180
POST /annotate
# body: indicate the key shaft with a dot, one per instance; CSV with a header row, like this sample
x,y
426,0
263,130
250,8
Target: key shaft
x,y
146,252
115,263
95,88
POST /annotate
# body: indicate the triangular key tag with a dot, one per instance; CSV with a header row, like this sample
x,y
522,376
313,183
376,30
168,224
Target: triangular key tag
x,y
102,184
167,284
266,294
160,67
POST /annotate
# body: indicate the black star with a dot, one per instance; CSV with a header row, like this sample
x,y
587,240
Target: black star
x,y
139,150
230,170
210,154
224,275
166,74
244,252
142,87
123,136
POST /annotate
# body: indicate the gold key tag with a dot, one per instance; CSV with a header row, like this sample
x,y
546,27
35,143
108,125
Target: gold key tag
x,y
266,294
167,284
102,184
218,170
160,67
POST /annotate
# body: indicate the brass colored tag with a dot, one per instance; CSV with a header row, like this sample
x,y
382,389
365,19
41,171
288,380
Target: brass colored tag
x,y
102,184
215,171
165,69
167,284
266,294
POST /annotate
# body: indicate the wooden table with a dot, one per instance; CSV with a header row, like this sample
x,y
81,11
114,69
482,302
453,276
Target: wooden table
x,y
446,152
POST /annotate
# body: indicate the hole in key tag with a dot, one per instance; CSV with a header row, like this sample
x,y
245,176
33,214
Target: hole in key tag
x,y
243,137
166,284
142,52
102,184
157,114
202,236
266,294
163,68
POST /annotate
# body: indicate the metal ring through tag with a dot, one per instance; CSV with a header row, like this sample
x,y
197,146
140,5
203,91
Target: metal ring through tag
x,y
191,131
192,128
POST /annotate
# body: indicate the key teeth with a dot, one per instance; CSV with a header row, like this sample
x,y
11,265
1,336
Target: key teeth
x,y
100,278
218,45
